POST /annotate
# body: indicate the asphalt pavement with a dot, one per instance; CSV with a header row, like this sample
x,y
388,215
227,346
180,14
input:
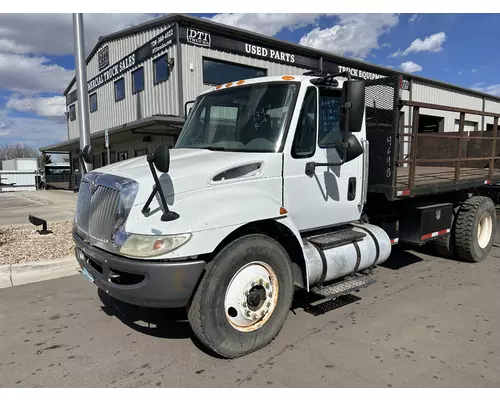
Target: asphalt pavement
x,y
51,205
427,322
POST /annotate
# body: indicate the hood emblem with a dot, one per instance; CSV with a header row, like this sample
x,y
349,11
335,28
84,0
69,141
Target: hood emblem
x,y
93,188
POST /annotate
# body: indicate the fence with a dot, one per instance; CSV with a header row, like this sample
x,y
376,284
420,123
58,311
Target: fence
x,y
15,181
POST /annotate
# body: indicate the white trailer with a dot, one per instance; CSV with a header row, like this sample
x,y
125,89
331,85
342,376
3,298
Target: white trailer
x,y
20,164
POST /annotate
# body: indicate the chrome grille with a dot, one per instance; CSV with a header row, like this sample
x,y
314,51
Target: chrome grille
x,y
103,211
97,213
103,204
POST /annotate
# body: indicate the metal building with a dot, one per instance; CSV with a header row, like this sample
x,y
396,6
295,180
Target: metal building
x,y
140,78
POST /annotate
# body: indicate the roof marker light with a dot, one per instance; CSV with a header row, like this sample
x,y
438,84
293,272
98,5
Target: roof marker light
x,y
240,82
287,78
229,84
218,86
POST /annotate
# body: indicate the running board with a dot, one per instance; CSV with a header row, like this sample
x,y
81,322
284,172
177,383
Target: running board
x,y
344,287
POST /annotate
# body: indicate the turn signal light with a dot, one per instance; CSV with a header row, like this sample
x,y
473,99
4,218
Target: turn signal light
x,y
283,211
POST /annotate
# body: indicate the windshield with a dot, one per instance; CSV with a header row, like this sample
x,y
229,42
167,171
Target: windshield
x,y
247,118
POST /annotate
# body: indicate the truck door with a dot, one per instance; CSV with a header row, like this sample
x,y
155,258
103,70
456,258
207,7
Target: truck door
x,y
331,196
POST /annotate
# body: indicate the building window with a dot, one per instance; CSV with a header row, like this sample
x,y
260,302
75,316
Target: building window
x,y
430,123
161,69
138,80
216,72
120,89
72,112
96,161
122,155
141,152
112,155
93,102
76,164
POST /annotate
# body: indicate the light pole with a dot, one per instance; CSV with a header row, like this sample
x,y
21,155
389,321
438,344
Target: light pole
x,y
81,86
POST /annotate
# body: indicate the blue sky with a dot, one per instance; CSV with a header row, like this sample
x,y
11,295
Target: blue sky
x,y
36,65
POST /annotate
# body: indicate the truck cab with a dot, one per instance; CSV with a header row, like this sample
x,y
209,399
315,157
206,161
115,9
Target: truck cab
x,y
261,196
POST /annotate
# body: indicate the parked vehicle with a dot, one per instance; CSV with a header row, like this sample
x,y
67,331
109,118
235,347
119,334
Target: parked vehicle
x,y
277,184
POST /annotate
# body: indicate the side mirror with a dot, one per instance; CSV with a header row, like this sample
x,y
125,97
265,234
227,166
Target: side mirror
x,y
87,154
161,158
353,92
354,149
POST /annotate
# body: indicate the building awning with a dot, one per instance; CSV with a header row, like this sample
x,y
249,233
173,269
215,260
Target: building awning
x,y
155,125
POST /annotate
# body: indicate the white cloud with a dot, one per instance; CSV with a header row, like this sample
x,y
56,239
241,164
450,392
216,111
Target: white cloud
x,y
474,70
53,33
35,132
431,43
355,35
32,74
9,46
490,89
410,67
414,18
390,66
460,72
41,106
266,23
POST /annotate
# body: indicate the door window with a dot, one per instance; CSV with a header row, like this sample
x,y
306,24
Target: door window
x,y
304,143
329,117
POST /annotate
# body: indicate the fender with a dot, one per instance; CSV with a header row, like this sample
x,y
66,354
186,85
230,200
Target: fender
x,y
288,222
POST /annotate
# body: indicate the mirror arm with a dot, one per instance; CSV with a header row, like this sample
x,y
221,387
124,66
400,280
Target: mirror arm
x,y
167,215
311,166
82,162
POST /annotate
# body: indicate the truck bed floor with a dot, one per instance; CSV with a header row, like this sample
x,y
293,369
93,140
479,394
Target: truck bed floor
x,y
429,176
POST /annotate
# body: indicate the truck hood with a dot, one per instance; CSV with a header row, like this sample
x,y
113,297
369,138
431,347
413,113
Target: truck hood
x,y
196,169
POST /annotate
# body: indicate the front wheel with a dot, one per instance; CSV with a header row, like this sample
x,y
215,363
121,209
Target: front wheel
x,y
244,297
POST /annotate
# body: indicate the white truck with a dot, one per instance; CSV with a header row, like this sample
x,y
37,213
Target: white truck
x,y
271,188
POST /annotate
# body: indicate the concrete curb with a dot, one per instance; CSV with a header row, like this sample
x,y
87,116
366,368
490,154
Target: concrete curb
x,y
37,271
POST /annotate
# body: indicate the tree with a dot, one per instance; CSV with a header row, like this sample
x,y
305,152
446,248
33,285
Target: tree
x,y
17,150
43,160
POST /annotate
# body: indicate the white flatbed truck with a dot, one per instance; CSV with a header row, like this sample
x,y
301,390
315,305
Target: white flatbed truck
x,y
275,184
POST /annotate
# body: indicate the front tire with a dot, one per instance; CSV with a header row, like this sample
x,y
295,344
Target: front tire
x,y
475,229
244,297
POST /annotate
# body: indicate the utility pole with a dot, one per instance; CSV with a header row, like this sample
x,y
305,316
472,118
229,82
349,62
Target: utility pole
x,y
81,86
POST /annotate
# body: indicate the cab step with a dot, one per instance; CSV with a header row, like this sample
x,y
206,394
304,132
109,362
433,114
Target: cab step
x,y
329,305
335,239
346,286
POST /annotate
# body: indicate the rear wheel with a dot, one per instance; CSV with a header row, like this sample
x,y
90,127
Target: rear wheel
x,y
244,297
475,229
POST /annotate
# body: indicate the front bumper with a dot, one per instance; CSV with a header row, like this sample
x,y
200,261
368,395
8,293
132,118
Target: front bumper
x,y
139,282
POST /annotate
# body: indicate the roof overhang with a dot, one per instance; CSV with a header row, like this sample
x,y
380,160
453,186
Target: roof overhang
x,y
156,125
244,34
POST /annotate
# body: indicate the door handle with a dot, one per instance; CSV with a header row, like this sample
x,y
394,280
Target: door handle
x,y
351,189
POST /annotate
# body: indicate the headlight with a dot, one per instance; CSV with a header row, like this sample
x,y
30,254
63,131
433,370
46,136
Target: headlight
x,y
150,246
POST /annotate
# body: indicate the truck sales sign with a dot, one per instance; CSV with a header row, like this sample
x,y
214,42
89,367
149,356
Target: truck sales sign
x,y
115,70
147,50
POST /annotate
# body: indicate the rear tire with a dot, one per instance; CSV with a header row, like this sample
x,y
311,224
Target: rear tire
x,y
475,229
443,246
244,297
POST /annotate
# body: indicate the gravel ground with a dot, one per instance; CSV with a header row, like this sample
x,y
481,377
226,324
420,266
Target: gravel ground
x,y
23,243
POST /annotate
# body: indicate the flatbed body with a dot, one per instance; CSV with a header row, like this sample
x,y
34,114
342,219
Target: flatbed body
x,y
414,164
